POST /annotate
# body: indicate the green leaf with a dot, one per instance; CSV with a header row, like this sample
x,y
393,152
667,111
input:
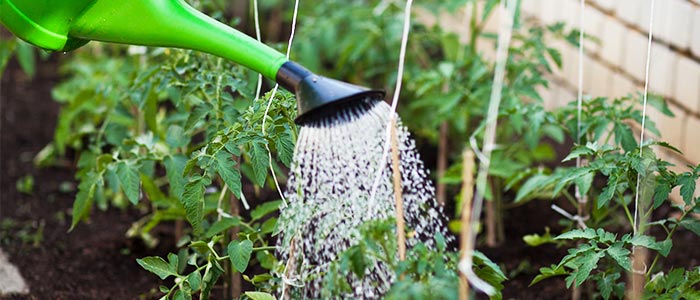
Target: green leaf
x,y
587,263
226,168
584,182
358,263
259,296
536,183
174,167
643,241
578,152
661,193
587,234
195,280
658,102
158,266
258,278
285,148
180,295
620,255
264,209
25,184
608,192
692,225
26,58
239,254
129,181
667,146
606,284
625,137
260,163
268,226
7,48
687,184
547,272
198,114
84,198
221,225
176,137
535,240
211,275
479,256
193,201
663,247
152,191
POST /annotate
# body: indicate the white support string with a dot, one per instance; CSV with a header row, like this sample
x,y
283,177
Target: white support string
x,y
258,36
272,97
504,35
581,199
644,112
580,78
394,102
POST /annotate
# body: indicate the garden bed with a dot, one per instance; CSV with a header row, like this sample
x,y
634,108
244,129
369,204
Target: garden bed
x,y
96,260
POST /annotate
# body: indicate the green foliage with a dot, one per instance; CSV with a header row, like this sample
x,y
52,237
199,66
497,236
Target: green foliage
x,y
25,184
611,154
26,233
175,132
25,53
677,284
598,244
425,274
239,253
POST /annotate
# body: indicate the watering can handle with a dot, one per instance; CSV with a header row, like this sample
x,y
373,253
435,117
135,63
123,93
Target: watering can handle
x,y
63,25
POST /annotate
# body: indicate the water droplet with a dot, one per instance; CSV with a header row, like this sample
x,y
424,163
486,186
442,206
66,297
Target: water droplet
x,y
335,164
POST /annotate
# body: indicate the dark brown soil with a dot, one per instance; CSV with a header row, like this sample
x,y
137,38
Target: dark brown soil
x,y
97,261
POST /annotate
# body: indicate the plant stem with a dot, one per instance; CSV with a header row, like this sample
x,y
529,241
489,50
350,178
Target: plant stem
x,y
475,28
570,198
628,214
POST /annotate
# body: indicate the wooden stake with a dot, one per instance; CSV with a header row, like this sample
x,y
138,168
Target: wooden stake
x,y
289,269
490,212
441,191
236,279
398,192
467,195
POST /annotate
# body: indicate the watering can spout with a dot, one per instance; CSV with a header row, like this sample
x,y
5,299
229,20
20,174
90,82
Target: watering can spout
x,y
61,25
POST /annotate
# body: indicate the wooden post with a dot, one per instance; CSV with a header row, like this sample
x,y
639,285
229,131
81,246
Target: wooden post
x,y
398,192
467,195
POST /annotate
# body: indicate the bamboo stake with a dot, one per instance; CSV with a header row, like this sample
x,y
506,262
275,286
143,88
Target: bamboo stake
x,y
398,192
467,194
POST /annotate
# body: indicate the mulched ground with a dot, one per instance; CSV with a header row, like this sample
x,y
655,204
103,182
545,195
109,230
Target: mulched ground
x,y
97,261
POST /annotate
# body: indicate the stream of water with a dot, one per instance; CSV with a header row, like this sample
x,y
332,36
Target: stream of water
x,y
334,169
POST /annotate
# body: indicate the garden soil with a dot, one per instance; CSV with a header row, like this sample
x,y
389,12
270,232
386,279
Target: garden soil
x,y
97,261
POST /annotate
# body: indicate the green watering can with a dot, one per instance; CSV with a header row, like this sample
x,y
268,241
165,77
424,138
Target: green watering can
x,y
64,25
